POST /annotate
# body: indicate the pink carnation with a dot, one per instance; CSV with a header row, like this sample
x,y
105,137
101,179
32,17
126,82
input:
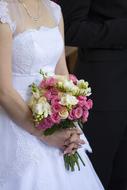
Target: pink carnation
x,y
73,78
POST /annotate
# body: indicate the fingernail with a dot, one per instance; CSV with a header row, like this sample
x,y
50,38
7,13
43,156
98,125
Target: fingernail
x,y
67,142
65,152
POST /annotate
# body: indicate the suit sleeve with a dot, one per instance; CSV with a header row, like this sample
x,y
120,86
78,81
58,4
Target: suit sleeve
x,y
81,30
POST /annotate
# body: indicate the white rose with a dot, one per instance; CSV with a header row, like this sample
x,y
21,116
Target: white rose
x,y
38,108
46,109
42,109
63,113
68,100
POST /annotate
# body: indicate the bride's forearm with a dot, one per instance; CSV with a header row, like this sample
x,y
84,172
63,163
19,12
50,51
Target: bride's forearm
x,y
61,68
18,110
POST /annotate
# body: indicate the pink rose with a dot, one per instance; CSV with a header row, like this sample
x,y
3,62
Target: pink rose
x,y
71,115
45,124
82,100
56,107
73,78
40,126
55,100
89,104
55,118
85,116
51,94
48,123
75,113
78,112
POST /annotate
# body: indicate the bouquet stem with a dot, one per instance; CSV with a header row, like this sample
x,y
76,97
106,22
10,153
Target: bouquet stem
x,y
72,160
80,158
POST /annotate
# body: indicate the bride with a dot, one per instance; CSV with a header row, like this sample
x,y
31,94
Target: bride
x,y
31,38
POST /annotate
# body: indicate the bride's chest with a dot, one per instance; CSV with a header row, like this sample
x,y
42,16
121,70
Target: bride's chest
x,y
34,49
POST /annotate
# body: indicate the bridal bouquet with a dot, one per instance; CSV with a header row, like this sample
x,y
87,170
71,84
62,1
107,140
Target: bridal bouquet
x,y
59,103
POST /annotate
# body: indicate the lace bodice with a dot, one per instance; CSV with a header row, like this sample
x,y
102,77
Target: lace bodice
x,y
34,49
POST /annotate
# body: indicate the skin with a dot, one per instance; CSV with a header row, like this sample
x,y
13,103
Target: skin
x,y
67,140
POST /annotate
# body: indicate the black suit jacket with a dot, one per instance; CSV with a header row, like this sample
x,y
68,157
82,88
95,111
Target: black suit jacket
x,y
99,29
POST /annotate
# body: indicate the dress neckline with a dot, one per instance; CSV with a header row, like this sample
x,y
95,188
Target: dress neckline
x,y
34,30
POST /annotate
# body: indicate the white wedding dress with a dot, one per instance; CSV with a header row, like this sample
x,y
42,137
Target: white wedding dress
x,y
25,162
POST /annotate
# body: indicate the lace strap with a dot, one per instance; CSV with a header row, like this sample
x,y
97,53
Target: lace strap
x,y
4,15
56,11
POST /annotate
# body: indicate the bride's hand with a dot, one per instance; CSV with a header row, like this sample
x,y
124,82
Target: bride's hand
x,y
64,139
73,143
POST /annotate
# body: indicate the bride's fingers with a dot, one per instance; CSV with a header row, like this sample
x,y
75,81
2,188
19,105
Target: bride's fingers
x,y
74,150
70,148
79,143
70,131
74,139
